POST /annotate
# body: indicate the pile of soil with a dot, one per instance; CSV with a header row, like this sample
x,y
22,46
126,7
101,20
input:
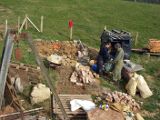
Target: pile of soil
x,y
68,48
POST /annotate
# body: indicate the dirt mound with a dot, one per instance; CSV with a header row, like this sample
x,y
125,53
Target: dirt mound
x,y
68,48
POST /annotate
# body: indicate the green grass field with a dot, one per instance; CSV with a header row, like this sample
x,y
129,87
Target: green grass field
x,y
89,18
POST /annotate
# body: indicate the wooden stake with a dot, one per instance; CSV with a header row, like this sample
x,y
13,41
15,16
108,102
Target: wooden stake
x,y
20,29
136,39
32,24
26,24
41,23
19,23
6,26
71,30
148,56
105,27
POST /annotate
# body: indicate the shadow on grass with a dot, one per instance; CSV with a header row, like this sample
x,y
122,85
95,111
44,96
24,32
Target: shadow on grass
x,y
146,1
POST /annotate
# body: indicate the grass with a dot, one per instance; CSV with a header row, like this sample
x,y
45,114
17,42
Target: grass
x,y
89,19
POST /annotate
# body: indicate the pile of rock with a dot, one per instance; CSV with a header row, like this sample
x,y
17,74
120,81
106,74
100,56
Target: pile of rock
x,y
122,98
66,61
82,75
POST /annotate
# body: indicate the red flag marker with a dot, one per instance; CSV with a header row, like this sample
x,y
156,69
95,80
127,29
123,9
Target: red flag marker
x,y
70,24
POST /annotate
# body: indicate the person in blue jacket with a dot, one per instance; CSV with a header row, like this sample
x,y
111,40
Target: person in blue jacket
x,y
104,56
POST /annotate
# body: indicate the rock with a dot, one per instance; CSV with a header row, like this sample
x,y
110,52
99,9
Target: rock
x,y
39,93
122,98
82,74
55,59
18,85
12,80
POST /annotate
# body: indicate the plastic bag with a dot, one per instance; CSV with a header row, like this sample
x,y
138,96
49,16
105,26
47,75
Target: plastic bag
x,y
143,87
131,86
108,67
85,104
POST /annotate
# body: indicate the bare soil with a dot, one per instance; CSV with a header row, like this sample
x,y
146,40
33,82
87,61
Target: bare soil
x,y
64,86
69,49
6,110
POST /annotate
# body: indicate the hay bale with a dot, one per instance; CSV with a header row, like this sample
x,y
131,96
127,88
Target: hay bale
x,y
154,45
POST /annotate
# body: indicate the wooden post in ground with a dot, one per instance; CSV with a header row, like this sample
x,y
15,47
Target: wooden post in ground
x,y
148,56
136,39
41,28
26,23
105,27
70,24
71,30
18,23
6,27
20,29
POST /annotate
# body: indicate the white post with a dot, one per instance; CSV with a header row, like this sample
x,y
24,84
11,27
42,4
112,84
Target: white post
x,y
19,23
105,27
41,24
136,39
26,23
6,27
20,29
71,30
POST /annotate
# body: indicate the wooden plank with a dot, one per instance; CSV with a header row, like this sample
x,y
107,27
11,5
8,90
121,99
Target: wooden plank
x,y
65,99
26,112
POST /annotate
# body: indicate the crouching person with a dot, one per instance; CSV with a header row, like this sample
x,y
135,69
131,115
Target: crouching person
x,y
103,57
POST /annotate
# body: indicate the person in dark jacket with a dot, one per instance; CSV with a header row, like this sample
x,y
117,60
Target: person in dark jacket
x,y
103,56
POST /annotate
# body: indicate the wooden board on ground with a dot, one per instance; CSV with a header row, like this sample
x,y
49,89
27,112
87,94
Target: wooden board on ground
x,y
65,99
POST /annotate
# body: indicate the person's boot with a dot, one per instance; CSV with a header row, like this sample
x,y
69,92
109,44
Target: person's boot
x,y
100,73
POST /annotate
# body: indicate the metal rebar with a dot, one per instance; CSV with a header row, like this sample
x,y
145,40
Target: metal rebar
x,y
46,76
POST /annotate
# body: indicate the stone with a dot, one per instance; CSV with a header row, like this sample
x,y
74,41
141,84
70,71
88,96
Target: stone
x,y
39,93
18,85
